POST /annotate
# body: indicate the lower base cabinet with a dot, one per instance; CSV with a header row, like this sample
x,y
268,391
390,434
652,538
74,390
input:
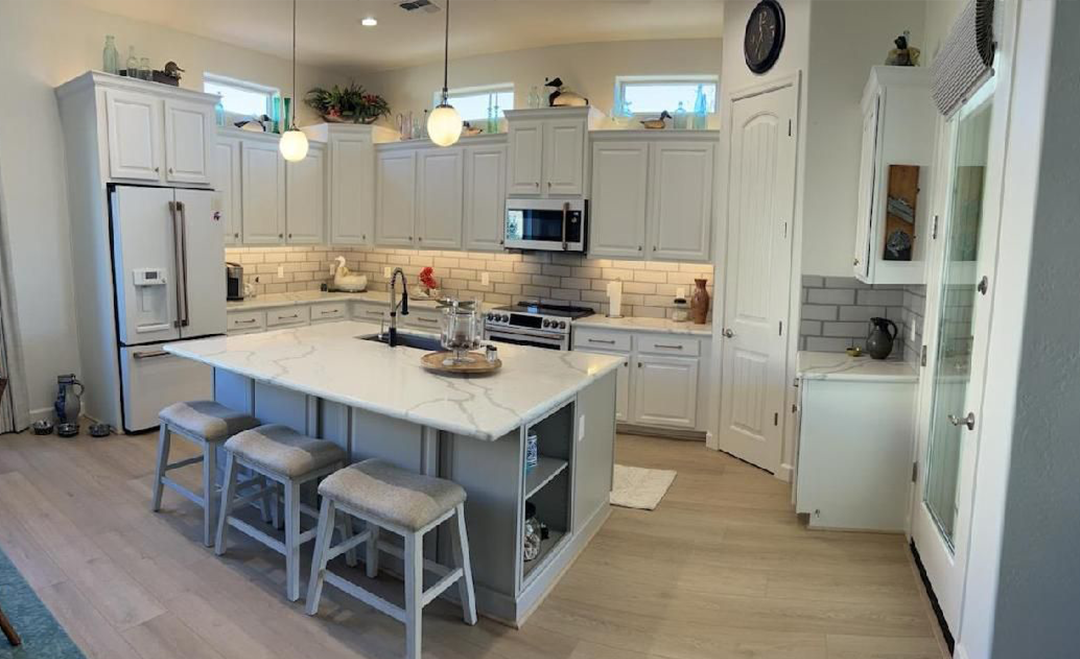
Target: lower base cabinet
x,y
665,391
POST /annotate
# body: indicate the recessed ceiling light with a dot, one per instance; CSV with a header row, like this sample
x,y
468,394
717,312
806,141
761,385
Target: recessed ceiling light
x,y
369,22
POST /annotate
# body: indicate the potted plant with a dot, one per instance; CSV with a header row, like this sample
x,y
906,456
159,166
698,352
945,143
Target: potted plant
x,y
351,103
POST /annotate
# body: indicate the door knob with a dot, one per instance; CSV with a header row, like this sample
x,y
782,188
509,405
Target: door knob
x,y
728,333
968,420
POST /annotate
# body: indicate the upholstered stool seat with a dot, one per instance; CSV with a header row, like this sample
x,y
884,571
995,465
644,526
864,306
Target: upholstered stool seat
x,y
281,450
207,419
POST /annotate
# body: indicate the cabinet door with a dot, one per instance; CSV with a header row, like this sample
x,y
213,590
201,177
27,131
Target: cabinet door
x,y
135,127
263,185
395,198
439,187
564,157
352,190
623,386
864,217
526,139
485,197
305,199
617,215
227,188
665,391
189,139
682,201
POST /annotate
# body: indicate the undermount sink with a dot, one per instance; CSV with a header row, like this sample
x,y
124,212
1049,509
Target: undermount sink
x,y
418,341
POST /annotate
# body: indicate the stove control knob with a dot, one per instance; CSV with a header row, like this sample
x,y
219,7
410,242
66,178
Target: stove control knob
x,y
491,316
505,318
547,323
562,324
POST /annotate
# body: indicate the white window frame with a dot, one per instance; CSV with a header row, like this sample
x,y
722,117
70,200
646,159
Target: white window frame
x,y
499,88
271,92
699,78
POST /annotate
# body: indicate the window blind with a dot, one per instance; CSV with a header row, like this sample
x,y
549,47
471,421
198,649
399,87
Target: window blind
x,y
966,56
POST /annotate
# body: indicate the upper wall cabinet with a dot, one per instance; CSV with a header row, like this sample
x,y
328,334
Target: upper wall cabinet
x,y
485,196
395,198
305,198
438,198
189,136
548,151
227,188
892,230
263,191
652,194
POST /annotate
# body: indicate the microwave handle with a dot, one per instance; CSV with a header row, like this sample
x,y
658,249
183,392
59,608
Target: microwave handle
x,y
565,213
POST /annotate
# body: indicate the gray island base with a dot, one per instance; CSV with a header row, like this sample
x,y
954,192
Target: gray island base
x,y
376,401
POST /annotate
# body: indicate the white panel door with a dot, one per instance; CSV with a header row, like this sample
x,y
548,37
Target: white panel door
x,y
564,157
263,193
189,138
227,188
352,189
395,198
135,129
682,201
485,197
617,213
761,198
201,264
439,207
867,186
526,139
305,199
665,391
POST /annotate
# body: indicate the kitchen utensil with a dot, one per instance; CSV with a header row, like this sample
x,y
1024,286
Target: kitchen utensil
x,y
42,427
234,281
67,429
68,402
535,533
614,296
879,342
682,310
462,329
491,354
100,430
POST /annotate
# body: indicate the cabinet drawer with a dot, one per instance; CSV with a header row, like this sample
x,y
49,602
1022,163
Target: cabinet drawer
x,y
661,344
326,312
370,312
288,316
426,320
588,339
242,322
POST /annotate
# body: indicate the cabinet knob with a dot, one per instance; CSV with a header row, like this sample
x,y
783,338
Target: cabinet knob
x,y
281,235
420,239
728,333
236,235
639,248
654,248
290,235
363,236
855,262
538,184
170,170
157,170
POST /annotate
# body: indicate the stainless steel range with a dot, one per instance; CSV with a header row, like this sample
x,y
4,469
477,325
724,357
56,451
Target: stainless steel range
x,y
530,324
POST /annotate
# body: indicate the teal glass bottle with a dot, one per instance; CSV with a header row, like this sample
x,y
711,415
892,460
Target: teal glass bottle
x,y
701,110
110,59
680,117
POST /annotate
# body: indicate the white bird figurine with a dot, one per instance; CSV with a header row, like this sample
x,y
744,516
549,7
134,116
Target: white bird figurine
x,y
344,280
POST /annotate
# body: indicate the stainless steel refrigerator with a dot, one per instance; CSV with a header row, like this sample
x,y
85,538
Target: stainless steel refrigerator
x,y
169,281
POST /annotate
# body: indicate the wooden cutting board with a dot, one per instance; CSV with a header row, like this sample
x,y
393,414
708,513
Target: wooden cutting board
x,y
477,364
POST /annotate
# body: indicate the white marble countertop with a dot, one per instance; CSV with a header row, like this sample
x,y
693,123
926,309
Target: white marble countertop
x,y
276,300
643,324
839,366
329,362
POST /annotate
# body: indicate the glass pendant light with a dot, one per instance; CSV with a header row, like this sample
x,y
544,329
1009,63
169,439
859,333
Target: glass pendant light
x,y
293,144
444,123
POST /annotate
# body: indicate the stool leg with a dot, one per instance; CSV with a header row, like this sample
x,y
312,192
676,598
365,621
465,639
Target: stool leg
x,y
210,498
9,630
162,460
459,542
227,494
371,560
275,506
264,503
347,534
414,589
292,547
318,560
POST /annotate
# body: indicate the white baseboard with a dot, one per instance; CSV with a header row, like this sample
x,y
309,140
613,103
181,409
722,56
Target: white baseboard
x,y
785,473
960,653
41,413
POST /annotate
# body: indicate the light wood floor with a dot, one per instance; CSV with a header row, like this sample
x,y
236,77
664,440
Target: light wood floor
x,y
722,569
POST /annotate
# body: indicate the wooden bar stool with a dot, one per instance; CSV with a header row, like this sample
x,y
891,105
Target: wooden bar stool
x,y
410,505
207,424
9,630
289,459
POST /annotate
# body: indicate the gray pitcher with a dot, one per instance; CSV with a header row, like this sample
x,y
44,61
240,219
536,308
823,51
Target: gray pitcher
x,y
879,342
68,402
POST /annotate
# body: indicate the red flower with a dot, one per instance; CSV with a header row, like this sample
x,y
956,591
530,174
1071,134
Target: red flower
x,y
427,279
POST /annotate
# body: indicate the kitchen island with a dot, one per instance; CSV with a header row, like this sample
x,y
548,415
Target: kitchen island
x,y
376,401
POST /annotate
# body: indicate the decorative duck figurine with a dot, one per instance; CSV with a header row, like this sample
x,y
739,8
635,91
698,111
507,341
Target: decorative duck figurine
x,y
345,281
563,97
658,123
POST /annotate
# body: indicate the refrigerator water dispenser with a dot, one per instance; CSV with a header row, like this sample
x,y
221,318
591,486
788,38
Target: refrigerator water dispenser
x,y
153,299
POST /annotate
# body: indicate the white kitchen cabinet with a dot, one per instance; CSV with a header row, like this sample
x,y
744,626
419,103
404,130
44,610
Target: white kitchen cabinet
x,y
263,192
898,124
440,184
665,391
564,157
485,196
352,178
617,217
395,198
681,200
135,135
189,138
526,140
227,186
427,320
245,322
305,198
548,152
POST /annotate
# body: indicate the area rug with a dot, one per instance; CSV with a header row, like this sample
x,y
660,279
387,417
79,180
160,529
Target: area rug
x,y
635,487
42,636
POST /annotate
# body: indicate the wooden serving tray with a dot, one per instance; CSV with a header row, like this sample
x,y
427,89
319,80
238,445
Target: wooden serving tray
x,y
479,365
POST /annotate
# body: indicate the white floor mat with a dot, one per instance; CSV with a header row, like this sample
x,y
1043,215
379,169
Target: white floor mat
x,y
635,487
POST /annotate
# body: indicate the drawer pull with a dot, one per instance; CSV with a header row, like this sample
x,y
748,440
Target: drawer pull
x,y
295,315
374,313
249,321
327,312
606,341
150,354
667,347
427,320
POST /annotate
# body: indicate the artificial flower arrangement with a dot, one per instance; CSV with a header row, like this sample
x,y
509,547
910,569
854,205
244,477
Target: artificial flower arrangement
x,y
351,103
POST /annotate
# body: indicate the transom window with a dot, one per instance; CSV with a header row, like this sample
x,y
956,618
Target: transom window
x,y
654,94
472,102
240,97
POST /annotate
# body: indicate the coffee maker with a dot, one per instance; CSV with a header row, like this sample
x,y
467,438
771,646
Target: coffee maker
x,y
234,281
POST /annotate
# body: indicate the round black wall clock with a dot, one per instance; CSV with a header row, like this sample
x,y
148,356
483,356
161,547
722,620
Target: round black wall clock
x,y
764,36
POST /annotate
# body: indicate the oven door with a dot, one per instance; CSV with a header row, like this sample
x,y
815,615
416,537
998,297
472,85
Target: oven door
x,y
546,224
526,338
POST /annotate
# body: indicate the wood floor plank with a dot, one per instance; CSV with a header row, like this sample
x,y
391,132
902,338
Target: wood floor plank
x,y
84,624
878,647
167,637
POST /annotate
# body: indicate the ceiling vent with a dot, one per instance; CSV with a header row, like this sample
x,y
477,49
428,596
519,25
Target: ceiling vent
x,y
420,5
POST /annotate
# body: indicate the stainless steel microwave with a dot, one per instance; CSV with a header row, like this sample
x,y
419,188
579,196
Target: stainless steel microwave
x,y
555,225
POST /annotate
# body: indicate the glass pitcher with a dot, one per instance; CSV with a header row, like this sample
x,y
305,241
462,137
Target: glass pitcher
x,y
462,330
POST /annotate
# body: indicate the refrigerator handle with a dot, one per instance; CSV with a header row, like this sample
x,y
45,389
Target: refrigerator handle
x,y
183,278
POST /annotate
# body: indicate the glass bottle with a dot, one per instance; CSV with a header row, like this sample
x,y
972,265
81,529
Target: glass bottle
x,y
144,68
423,125
680,117
110,59
132,63
219,112
701,118
534,98
286,122
494,127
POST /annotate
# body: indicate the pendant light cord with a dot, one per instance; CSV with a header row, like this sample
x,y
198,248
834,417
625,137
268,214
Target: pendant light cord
x,y
293,117
446,55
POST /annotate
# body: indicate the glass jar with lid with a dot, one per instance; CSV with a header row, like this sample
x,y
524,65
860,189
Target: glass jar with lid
x,y
462,330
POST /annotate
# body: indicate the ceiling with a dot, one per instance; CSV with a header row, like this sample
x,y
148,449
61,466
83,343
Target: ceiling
x,y
330,34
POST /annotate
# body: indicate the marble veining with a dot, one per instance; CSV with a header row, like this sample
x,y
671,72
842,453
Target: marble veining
x,y
839,366
330,362
642,324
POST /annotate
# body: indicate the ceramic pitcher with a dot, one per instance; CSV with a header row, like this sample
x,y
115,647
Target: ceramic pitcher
x,y
68,403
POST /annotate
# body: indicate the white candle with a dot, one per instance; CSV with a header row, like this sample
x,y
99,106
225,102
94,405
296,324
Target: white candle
x,y
614,292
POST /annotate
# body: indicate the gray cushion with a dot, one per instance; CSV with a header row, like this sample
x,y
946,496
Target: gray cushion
x,y
281,450
207,419
388,493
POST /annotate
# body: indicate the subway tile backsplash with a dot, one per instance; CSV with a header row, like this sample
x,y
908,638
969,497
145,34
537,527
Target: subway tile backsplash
x,y
648,286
